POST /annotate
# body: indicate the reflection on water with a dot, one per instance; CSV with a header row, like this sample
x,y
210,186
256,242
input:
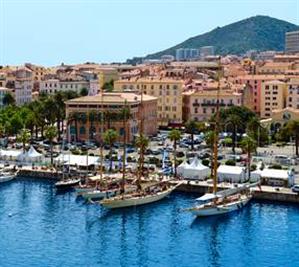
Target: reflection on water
x,y
36,221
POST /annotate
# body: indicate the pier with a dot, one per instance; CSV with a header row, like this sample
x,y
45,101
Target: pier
x,y
263,193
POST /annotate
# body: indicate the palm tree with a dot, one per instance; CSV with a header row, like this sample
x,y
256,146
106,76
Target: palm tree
x,y
142,143
23,137
110,136
74,117
175,136
50,133
191,128
235,121
249,146
291,129
91,117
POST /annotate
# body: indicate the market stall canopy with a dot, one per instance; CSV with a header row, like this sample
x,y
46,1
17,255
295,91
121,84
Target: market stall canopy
x,y
77,160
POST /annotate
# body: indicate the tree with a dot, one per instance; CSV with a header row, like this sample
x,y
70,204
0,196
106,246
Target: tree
x,y
191,128
50,134
236,122
84,92
175,136
23,137
108,86
249,146
142,143
291,129
8,99
110,136
74,117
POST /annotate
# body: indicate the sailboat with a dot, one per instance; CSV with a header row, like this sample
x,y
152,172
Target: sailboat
x,y
141,196
69,183
224,201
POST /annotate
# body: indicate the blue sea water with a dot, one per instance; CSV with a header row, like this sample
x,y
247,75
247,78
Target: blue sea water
x,y
39,227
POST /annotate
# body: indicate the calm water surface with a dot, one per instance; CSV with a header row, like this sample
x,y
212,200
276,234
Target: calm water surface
x,y
39,227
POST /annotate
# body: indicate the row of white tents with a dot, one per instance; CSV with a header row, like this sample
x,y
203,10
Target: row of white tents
x,y
30,156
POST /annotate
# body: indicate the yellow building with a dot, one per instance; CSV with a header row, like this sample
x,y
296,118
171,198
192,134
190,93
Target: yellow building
x,y
169,94
293,93
200,105
273,96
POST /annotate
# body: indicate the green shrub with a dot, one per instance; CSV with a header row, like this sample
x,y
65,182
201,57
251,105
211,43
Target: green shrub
x,y
253,167
275,166
230,162
205,162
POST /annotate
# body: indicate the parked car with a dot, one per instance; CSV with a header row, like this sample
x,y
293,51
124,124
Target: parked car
x,y
295,188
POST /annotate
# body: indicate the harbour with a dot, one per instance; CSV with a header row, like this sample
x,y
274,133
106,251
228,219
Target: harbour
x,y
40,227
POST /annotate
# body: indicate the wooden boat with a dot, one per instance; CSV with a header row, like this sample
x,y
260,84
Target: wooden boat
x,y
139,198
67,184
230,200
98,194
6,177
221,206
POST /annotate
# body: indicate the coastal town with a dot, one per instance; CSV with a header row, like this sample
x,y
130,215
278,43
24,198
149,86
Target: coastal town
x,y
156,121
149,133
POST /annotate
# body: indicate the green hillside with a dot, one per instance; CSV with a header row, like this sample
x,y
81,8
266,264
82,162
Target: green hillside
x,y
260,33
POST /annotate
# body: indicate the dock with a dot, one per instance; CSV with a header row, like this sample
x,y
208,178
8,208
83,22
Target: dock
x,y
39,174
264,192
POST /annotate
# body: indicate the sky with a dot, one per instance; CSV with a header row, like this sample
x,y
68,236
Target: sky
x,y
49,32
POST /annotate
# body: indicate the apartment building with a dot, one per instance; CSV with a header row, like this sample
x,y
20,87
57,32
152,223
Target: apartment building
x,y
292,42
23,85
253,83
200,105
111,104
167,91
293,93
273,96
51,86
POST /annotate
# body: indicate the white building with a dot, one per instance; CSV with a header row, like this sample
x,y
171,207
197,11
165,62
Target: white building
x,y
51,86
23,86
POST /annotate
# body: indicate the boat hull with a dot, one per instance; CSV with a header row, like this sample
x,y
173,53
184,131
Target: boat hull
x,y
7,178
98,194
67,184
221,209
135,201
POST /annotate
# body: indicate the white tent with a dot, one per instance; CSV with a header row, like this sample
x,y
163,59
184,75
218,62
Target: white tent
x,y
233,174
195,170
10,154
275,177
31,156
180,169
77,160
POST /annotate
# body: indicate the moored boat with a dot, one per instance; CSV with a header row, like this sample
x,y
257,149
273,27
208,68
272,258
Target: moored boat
x,y
67,184
6,177
98,194
138,198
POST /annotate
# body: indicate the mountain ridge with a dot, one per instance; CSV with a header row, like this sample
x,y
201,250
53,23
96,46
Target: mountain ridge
x,y
258,32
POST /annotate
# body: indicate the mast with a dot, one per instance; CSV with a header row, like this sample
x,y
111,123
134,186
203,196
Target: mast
x,y
125,147
101,143
216,133
141,140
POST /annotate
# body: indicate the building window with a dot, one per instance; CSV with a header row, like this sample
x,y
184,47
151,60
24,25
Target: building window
x,y
204,110
82,130
195,110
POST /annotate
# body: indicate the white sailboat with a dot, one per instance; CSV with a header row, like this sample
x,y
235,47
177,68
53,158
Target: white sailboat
x,y
142,196
138,198
229,200
6,177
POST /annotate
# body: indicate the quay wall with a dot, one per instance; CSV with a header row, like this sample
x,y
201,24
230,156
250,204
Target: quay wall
x,y
284,195
39,174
